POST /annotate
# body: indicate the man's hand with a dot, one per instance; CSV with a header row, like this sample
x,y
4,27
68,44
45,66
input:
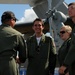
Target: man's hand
x,y
51,74
17,60
67,73
62,69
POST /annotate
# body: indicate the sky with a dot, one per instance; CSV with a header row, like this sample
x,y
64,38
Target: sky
x,y
22,11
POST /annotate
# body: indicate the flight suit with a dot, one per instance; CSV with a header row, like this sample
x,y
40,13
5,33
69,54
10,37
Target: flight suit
x,y
70,58
42,57
11,41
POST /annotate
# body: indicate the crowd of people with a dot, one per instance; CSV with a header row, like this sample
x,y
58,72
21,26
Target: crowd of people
x,y
39,49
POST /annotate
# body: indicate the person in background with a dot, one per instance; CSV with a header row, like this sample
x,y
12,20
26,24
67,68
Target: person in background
x,y
70,58
11,41
41,51
65,35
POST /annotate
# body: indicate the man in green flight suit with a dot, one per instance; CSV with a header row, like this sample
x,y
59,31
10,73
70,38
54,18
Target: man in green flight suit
x,y
11,41
41,51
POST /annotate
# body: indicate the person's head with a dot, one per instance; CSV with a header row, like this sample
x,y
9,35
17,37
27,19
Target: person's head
x,y
8,17
38,26
71,9
65,32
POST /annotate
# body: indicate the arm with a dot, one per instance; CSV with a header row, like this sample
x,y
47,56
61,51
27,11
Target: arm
x,y
52,58
22,49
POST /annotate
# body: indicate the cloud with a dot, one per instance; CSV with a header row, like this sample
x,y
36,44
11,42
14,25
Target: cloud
x,y
29,16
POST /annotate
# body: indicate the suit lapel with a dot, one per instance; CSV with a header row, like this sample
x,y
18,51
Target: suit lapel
x,y
42,39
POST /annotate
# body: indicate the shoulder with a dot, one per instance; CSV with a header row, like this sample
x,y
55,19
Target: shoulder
x,y
15,32
51,40
9,30
49,37
30,38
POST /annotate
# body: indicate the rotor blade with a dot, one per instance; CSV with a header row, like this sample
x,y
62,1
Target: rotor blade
x,y
60,2
49,4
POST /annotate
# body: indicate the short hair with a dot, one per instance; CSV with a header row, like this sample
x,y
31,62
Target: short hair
x,y
38,19
73,3
67,28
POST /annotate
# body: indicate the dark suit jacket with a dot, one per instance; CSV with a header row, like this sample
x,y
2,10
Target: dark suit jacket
x,y
70,58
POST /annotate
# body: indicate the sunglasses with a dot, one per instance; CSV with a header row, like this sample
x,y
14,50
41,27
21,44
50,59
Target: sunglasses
x,y
14,20
62,32
37,25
